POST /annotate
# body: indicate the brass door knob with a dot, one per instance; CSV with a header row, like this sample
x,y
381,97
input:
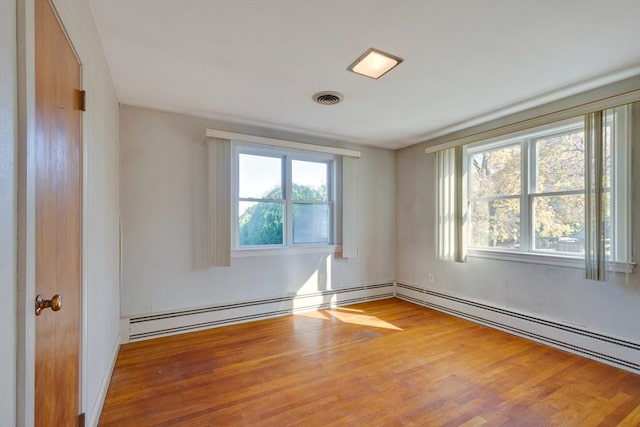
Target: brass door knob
x,y
55,303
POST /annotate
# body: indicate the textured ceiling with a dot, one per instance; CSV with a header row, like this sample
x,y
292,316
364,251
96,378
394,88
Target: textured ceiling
x,y
260,62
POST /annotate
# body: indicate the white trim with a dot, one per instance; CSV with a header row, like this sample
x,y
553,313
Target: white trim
x,y
96,411
25,393
542,258
9,166
215,133
608,96
288,250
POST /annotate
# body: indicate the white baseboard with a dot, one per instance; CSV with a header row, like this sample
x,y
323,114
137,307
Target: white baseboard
x,y
620,352
155,325
104,387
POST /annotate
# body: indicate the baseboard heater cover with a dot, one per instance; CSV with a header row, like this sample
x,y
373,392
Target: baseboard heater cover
x,y
614,351
175,322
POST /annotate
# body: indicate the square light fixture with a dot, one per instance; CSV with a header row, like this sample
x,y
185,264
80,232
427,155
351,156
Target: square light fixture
x,y
374,63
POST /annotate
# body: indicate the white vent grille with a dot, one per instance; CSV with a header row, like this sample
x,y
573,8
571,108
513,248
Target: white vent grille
x,y
328,97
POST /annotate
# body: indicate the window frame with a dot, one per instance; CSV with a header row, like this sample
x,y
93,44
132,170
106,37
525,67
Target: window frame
x,y
528,193
287,156
619,189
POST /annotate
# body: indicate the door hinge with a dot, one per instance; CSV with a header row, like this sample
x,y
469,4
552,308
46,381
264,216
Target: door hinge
x,y
81,420
82,100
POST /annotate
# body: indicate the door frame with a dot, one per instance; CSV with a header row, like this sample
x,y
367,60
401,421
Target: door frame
x,y
25,360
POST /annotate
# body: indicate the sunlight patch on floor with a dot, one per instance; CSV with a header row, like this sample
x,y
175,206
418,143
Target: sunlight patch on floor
x,y
314,315
352,310
361,319
349,315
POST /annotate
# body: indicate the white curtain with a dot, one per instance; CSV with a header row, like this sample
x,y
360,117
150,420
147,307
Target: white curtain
x,y
349,207
219,202
450,236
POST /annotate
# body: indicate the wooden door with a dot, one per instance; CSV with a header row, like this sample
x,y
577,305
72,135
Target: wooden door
x,y
58,154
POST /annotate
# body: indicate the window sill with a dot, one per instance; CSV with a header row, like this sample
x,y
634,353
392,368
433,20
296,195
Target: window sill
x,y
540,258
289,250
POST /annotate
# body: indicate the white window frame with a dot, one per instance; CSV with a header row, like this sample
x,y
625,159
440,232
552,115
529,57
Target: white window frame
x,y
526,139
288,155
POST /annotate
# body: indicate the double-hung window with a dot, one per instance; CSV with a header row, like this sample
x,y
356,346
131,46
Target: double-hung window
x,y
526,193
283,198
558,193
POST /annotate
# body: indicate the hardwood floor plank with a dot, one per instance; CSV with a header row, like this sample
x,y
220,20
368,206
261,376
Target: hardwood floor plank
x,y
383,363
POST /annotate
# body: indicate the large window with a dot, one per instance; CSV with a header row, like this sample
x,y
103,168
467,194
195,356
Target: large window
x,y
282,198
556,194
526,193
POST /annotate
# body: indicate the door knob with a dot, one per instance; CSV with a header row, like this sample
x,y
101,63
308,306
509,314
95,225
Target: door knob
x,y
55,303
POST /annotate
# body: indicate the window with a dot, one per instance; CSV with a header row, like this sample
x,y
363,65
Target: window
x,y
556,194
282,198
526,192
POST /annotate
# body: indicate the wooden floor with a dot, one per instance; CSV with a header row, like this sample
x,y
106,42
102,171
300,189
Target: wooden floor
x,y
383,363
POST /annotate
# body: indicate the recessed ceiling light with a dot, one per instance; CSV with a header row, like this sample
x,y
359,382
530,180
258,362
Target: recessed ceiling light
x,y
374,63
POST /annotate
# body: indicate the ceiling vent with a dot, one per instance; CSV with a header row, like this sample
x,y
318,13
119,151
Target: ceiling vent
x,y
328,97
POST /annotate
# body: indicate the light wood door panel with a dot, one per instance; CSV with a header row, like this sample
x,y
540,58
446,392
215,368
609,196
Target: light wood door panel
x,y
58,153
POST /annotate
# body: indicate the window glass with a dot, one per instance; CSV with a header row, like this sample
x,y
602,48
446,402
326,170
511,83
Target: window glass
x,y
260,223
607,152
496,172
309,180
260,177
560,162
310,223
559,223
496,223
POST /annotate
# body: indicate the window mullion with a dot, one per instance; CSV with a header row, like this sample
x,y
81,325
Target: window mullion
x,y
253,199
493,198
558,193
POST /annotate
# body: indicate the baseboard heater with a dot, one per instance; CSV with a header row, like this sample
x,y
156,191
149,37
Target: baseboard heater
x,y
614,351
175,322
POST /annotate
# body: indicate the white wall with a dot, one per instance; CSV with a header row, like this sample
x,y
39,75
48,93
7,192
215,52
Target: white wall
x,y
553,293
164,220
8,209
